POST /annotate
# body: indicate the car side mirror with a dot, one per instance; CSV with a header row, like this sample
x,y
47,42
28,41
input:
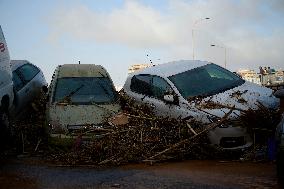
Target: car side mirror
x,y
169,98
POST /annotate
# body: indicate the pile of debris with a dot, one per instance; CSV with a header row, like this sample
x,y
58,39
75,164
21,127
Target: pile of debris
x,y
134,135
29,129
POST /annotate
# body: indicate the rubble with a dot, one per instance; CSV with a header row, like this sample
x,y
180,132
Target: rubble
x,y
29,129
137,135
262,119
134,135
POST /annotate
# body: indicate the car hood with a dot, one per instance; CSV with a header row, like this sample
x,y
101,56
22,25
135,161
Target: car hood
x,y
61,117
244,97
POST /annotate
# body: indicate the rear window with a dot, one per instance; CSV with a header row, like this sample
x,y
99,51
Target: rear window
x,y
28,72
84,90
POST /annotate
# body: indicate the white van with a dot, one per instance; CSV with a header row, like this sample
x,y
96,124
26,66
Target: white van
x,y
202,91
81,97
6,85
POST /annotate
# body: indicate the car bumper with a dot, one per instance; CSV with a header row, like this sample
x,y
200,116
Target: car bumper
x,y
230,138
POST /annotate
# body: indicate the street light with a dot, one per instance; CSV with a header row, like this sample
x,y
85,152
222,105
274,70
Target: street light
x,y
192,32
225,49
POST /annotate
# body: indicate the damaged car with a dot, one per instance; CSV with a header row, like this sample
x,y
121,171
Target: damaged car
x,y
29,82
81,98
201,91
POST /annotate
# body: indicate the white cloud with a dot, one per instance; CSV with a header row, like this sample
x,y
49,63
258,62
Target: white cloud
x,y
246,28
134,25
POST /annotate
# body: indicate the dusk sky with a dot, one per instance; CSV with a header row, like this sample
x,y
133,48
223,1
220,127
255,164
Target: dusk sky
x,y
117,33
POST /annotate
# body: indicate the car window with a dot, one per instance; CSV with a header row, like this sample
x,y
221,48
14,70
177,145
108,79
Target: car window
x,y
160,87
205,81
152,86
215,72
141,84
85,90
28,72
18,83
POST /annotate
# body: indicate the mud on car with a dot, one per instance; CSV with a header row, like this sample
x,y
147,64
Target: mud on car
x,y
81,97
202,91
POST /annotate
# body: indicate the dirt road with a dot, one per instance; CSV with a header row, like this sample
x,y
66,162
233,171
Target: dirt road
x,y
187,174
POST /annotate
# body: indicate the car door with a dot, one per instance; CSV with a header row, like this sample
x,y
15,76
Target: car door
x,y
19,92
150,90
159,88
23,86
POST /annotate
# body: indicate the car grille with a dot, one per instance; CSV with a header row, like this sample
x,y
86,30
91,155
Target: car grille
x,y
231,142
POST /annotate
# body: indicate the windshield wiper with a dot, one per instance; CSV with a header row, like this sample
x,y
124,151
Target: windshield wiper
x,y
67,97
102,74
101,85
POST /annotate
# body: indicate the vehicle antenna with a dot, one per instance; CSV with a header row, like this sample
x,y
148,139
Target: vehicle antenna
x,y
149,58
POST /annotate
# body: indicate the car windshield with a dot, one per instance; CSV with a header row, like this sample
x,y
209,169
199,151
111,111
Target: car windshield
x,y
205,81
85,90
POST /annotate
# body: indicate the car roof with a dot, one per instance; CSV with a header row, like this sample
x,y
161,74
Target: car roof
x,y
81,70
172,68
15,64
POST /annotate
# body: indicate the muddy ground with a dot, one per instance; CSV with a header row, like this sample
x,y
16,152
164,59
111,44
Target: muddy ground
x,y
33,173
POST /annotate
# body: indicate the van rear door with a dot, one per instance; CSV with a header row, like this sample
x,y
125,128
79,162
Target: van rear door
x,y
6,83
5,66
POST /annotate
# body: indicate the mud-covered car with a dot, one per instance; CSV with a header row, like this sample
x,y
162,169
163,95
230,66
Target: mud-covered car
x,y
202,91
81,97
29,82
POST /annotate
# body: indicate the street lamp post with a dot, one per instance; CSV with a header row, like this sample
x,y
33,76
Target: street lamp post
x,y
192,33
225,52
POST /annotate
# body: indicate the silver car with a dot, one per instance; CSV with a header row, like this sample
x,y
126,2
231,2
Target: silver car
x,y
28,82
